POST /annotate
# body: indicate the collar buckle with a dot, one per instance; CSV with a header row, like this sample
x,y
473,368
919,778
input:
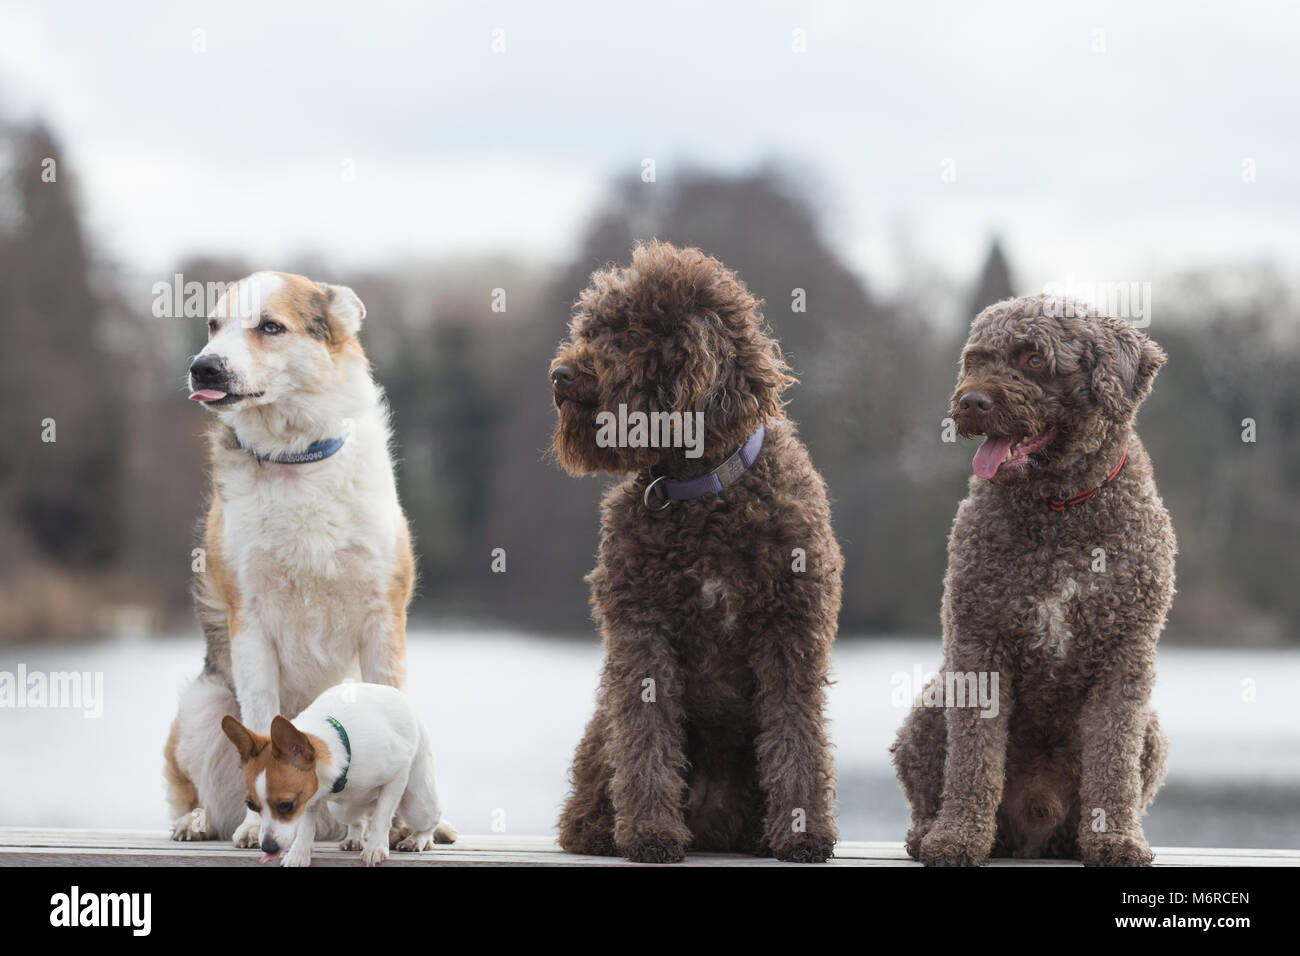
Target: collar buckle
x,y
661,494
730,470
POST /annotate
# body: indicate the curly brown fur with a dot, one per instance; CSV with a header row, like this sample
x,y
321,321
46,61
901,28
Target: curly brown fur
x,y
703,598
1074,755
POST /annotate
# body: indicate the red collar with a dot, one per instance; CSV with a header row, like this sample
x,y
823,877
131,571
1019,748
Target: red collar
x,y
1060,504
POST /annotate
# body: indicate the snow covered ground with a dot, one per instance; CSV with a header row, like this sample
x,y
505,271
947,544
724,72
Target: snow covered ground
x,y
506,709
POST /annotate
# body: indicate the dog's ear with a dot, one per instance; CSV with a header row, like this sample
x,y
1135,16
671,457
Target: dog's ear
x,y
747,390
345,307
290,745
245,741
1150,362
691,381
1125,363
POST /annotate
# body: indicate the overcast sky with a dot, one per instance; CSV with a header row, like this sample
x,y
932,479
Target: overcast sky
x,y
1102,140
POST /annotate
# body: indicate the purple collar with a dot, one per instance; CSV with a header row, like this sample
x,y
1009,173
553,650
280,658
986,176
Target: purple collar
x,y
727,473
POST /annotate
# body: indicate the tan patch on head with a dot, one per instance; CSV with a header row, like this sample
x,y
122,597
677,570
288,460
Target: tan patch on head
x,y
297,303
287,778
284,784
303,307
288,781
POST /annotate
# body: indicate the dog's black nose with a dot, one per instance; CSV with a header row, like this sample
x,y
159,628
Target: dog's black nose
x,y
975,400
269,845
207,369
563,374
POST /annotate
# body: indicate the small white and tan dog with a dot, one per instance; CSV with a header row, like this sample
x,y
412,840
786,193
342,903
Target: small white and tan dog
x,y
359,749
306,568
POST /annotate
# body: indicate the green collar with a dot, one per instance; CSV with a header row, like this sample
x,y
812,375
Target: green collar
x,y
342,781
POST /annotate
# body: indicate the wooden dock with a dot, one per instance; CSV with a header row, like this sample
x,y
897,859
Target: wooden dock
x,y
58,847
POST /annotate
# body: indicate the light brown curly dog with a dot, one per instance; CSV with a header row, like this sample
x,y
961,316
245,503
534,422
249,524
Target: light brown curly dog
x,y
718,611
1060,573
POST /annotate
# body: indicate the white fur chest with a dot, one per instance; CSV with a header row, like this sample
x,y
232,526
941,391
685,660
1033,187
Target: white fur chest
x,y
311,521
312,548
1051,624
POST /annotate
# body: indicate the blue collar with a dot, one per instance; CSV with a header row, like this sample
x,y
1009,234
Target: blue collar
x,y
316,451
728,473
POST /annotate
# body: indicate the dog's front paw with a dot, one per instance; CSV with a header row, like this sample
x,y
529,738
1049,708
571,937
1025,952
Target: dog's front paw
x,y
374,855
1115,849
589,836
351,843
192,826
249,834
416,841
946,845
915,834
805,848
296,856
655,850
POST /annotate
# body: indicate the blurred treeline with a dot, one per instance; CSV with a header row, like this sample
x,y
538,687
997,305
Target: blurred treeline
x,y
96,527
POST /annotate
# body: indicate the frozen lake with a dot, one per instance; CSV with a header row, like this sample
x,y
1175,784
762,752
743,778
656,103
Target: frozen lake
x,y
505,711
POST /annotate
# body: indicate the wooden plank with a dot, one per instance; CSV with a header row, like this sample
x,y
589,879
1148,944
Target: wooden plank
x,y
72,847
148,848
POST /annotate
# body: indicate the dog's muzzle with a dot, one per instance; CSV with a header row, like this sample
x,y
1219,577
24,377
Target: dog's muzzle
x,y
570,385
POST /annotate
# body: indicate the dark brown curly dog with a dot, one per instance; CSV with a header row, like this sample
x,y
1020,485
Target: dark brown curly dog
x,y
717,611
1060,573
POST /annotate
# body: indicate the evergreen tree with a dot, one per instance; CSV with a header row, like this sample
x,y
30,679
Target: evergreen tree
x,y
994,283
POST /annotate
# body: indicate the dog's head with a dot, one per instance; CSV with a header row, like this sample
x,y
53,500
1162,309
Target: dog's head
x,y
279,777
1049,384
274,336
674,332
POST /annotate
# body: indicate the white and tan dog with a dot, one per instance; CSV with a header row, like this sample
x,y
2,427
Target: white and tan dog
x,y
359,750
307,558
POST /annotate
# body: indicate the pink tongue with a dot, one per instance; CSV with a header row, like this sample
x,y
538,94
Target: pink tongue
x,y
206,395
267,858
989,456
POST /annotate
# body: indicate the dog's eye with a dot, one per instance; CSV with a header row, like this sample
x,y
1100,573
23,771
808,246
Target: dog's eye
x,y
1034,360
212,326
270,328
252,806
284,807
